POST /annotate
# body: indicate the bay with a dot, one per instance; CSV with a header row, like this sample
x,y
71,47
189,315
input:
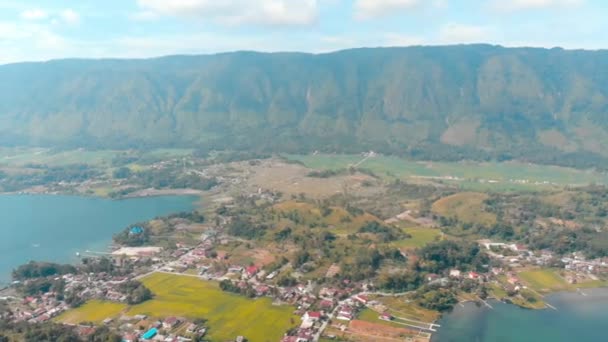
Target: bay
x,y
578,318
55,227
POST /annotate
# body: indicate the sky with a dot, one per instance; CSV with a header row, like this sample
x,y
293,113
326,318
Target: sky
x,y
38,30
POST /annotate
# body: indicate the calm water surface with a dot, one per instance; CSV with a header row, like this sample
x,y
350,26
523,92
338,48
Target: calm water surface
x,y
54,228
578,318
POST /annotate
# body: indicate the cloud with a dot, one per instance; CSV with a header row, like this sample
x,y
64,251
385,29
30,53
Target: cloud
x,y
69,16
462,34
239,12
522,5
367,9
34,14
26,40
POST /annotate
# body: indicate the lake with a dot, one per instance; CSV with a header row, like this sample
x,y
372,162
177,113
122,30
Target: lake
x,y
54,228
577,318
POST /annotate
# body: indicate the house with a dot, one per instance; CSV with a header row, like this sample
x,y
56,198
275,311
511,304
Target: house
x,y
386,317
512,280
235,269
262,290
473,275
192,328
130,338
361,299
251,271
345,313
171,322
517,247
432,277
312,316
326,304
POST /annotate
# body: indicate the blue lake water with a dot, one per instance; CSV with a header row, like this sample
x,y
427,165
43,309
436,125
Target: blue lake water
x,y
577,318
54,228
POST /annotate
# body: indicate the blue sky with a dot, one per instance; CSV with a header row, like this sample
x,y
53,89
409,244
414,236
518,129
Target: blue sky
x,y
36,30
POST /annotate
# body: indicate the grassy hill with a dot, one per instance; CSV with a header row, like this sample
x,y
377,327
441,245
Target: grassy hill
x,y
467,207
441,103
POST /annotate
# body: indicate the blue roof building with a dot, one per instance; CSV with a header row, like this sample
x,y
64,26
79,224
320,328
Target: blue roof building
x,y
150,334
136,230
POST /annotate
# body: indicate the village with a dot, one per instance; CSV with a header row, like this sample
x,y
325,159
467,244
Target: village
x,y
325,310
319,307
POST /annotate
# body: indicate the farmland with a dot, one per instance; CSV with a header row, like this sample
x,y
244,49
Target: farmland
x,y
18,156
544,280
469,175
94,311
228,315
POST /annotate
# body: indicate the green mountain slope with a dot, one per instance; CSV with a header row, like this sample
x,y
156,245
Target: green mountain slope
x,y
451,102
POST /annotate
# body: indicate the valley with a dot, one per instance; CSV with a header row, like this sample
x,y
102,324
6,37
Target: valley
x,y
317,246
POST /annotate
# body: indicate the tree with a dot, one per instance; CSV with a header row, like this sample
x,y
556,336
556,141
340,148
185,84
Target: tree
x,y
122,173
136,292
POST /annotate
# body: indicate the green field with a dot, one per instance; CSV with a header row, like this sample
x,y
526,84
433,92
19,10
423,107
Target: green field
x,y
544,280
93,311
472,175
228,315
420,237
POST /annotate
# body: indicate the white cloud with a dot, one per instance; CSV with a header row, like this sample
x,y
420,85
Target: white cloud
x,y
522,5
34,14
461,34
238,12
69,16
367,9
40,42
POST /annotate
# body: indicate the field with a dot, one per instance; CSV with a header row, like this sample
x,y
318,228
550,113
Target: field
x,y
22,156
466,206
544,280
402,307
93,311
228,315
469,175
293,179
420,237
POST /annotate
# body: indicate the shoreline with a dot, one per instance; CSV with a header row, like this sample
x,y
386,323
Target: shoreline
x,y
84,249
137,194
478,322
547,306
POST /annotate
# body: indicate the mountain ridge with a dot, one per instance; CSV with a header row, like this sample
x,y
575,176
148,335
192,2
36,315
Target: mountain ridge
x,y
436,102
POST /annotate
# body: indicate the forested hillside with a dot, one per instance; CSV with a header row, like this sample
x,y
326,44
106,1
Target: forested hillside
x,y
451,102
